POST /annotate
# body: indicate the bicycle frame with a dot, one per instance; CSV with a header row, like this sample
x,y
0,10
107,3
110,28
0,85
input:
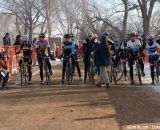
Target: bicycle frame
x,y
157,70
24,72
138,70
69,73
46,70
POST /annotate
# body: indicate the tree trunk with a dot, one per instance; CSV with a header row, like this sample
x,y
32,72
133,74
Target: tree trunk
x,y
146,25
125,18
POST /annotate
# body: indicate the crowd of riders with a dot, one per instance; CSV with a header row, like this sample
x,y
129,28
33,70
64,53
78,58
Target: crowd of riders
x,y
100,51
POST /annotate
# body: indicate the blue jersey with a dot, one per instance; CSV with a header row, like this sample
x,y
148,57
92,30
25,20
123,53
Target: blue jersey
x,y
152,49
68,48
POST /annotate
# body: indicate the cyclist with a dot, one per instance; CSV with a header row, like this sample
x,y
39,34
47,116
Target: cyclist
x,y
4,74
26,47
88,45
42,46
152,52
68,50
75,61
134,48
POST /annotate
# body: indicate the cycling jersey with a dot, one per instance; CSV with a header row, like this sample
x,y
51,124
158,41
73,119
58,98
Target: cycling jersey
x,y
152,49
26,48
76,45
134,45
42,46
88,46
68,48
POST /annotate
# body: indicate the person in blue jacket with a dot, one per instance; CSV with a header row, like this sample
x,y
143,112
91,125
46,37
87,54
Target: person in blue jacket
x,y
68,51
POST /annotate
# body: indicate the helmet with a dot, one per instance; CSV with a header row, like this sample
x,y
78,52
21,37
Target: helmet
x,y
132,34
89,34
25,38
67,36
105,33
72,35
42,35
150,37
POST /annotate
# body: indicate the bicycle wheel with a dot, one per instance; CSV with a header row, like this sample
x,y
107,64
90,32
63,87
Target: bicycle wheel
x,y
47,78
26,78
22,73
138,73
68,74
91,73
157,73
114,74
119,71
110,74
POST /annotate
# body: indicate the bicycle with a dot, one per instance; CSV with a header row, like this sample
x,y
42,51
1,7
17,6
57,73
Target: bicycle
x,y
23,72
91,71
46,70
69,71
121,68
112,73
157,70
138,70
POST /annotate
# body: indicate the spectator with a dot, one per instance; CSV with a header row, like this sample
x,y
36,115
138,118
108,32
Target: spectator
x,y
34,41
18,40
103,60
7,40
4,74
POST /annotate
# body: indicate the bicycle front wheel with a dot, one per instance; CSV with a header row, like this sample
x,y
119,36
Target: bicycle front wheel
x,y
139,74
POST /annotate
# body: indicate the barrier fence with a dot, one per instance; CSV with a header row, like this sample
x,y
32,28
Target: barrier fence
x,y
12,58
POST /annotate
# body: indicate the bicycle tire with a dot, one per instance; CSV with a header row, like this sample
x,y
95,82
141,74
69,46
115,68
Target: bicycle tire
x,y
157,73
139,74
68,74
25,74
119,74
22,73
46,73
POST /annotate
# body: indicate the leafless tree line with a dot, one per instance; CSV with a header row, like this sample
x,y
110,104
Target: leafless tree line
x,y
79,16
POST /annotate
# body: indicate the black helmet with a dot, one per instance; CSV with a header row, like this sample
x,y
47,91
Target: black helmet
x,y
67,36
42,35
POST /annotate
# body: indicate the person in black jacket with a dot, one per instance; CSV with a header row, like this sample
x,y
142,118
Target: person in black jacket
x,y
103,59
88,45
7,40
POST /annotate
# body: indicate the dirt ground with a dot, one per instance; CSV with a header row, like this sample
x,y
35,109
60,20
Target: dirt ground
x,y
79,107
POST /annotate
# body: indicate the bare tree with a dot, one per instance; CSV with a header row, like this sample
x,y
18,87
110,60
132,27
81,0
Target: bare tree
x,y
146,7
26,11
